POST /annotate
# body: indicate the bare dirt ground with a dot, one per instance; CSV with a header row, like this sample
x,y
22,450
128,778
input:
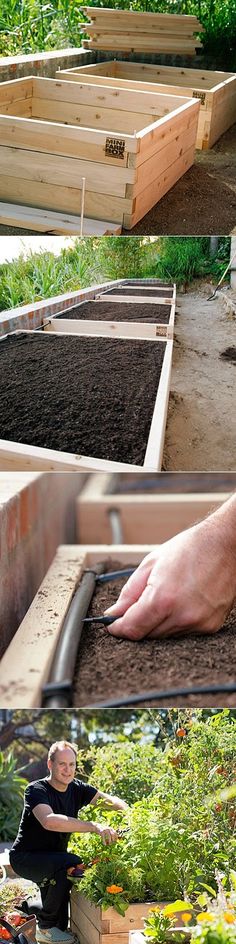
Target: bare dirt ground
x,y
201,424
203,202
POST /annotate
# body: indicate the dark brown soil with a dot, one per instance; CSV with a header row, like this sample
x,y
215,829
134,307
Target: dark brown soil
x,y
173,482
140,291
143,283
92,396
111,668
229,354
119,311
198,205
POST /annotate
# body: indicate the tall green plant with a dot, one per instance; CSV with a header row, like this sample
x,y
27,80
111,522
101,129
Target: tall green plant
x,y
12,788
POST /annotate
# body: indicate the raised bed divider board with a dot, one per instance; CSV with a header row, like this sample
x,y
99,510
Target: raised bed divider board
x,y
131,147
36,639
216,91
72,355
142,515
140,321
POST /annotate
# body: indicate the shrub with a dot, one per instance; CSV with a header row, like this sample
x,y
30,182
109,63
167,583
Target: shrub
x,y
11,797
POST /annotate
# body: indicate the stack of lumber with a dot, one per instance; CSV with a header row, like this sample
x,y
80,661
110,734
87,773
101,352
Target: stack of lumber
x,y
129,31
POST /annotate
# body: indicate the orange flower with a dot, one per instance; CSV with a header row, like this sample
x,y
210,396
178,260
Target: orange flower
x,y
229,917
114,889
186,917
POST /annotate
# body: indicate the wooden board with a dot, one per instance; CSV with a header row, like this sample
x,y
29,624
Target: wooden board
x,y
128,30
26,663
142,515
25,217
21,457
134,299
216,91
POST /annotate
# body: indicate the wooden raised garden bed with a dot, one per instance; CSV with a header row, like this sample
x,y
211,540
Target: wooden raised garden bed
x,y
69,403
108,669
26,664
112,316
92,925
130,148
168,503
216,91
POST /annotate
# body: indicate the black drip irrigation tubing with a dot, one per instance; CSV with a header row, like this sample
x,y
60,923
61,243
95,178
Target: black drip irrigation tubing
x,y
58,691
169,693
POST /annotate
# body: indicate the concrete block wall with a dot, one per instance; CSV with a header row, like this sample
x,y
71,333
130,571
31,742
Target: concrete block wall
x,y
32,315
37,512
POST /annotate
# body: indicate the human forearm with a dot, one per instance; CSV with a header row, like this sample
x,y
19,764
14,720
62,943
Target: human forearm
x,y
68,824
56,822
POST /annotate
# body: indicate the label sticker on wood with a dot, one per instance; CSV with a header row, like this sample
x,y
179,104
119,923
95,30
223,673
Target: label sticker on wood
x,y
201,95
160,331
115,147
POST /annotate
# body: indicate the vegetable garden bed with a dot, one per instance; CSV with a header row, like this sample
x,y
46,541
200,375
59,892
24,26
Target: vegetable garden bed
x,y
216,91
60,396
130,148
108,670
160,505
94,925
116,319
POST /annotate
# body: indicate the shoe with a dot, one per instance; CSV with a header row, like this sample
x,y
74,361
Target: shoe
x,y
76,872
53,936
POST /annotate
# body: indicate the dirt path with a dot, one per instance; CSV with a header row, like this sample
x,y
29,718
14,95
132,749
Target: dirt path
x,y
201,425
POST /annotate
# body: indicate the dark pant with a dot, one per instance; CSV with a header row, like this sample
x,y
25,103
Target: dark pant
x,y
48,870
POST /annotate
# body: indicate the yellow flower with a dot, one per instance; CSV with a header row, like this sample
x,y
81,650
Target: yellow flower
x,y
229,917
186,917
114,889
205,916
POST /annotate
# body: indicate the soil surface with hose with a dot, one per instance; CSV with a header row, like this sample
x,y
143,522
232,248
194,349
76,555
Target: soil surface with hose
x,y
108,667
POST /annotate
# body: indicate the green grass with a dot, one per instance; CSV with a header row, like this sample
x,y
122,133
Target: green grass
x,y
34,25
91,261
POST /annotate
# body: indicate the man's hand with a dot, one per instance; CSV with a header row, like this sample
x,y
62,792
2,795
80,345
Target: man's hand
x,y
107,834
187,584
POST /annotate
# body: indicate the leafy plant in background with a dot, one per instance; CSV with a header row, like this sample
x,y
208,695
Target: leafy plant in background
x,y
90,261
11,797
33,25
175,838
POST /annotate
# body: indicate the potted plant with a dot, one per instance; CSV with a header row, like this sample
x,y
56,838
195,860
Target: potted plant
x,y
12,895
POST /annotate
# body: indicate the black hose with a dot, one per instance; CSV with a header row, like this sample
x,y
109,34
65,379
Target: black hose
x,y
171,693
57,693
115,574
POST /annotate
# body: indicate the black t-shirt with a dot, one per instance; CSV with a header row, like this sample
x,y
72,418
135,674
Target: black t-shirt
x,y
31,835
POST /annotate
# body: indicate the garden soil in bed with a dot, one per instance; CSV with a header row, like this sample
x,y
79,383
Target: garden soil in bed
x,y
111,668
89,396
172,482
119,311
